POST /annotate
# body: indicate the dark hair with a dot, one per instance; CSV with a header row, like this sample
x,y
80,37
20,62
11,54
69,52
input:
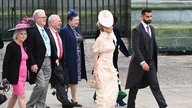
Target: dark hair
x,y
115,19
71,13
144,10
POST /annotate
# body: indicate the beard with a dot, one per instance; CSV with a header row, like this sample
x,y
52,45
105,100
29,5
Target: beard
x,y
147,21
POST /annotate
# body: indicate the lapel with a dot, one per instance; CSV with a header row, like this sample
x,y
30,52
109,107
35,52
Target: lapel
x,y
71,31
51,38
72,37
152,32
38,34
49,34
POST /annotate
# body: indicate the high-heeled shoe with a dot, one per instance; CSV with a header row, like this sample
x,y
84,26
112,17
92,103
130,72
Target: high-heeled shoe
x,y
120,102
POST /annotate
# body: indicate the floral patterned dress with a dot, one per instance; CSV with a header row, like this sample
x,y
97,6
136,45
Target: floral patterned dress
x,y
79,39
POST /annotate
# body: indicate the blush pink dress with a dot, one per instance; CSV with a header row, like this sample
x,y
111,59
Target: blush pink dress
x,y
18,88
107,74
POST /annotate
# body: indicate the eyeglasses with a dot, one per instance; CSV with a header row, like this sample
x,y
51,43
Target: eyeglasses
x,y
43,17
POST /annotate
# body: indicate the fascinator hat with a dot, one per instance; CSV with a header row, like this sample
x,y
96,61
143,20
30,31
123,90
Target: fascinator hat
x,y
105,18
71,13
23,25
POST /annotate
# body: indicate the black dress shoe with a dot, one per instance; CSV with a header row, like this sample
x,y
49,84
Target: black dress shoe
x,y
70,105
77,104
120,102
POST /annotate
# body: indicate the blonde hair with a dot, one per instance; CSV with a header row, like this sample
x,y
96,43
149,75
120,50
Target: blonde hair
x,y
100,26
15,35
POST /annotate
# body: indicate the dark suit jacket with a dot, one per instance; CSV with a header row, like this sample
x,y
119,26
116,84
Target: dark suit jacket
x,y
140,53
36,50
120,45
1,43
11,62
70,53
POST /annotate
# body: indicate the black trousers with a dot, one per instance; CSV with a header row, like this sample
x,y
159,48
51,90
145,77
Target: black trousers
x,y
151,77
62,96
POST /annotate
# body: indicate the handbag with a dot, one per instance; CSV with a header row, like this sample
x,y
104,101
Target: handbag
x,y
121,95
96,84
3,98
4,86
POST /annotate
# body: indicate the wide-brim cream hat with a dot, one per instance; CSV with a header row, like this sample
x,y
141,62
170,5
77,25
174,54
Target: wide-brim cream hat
x,y
105,18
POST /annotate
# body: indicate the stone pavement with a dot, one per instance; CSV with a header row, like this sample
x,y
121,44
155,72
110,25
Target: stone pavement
x,y
175,78
174,73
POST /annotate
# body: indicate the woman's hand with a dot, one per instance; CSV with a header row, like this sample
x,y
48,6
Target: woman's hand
x,y
95,75
4,80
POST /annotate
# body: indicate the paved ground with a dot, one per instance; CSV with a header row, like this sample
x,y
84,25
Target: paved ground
x,y
175,78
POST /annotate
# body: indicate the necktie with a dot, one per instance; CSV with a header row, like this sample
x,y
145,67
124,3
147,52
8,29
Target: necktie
x,y
60,45
47,43
148,32
44,35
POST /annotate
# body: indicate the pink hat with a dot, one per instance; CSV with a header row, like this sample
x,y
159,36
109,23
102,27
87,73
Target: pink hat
x,y
20,26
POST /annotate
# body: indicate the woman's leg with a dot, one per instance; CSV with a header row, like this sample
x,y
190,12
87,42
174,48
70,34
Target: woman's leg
x,y
12,101
74,92
74,95
21,100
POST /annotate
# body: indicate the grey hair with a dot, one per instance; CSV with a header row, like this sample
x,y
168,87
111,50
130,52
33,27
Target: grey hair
x,y
36,13
52,18
15,35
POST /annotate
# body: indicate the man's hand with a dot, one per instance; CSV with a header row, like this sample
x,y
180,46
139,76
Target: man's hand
x,y
34,68
145,66
57,62
129,58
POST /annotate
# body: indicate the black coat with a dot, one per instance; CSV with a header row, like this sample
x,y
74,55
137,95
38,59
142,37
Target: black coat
x,y
36,50
11,62
1,43
140,53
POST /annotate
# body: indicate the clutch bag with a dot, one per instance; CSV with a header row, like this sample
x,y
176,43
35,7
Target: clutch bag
x,y
96,84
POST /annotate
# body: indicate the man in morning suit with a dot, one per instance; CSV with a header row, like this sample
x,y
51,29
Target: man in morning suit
x,y
41,51
54,22
143,65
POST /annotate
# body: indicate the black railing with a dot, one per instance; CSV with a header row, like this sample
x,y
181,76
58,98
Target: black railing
x,y
12,11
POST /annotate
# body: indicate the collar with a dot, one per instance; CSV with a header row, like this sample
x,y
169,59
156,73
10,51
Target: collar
x,y
39,27
144,24
53,29
106,35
